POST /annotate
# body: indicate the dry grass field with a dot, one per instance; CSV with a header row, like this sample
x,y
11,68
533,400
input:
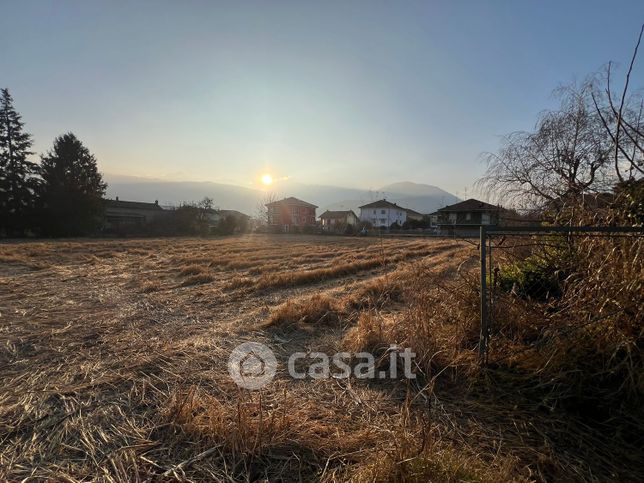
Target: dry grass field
x,y
114,352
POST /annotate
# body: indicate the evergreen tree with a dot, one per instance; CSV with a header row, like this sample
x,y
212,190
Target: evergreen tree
x,y
16,172
71,194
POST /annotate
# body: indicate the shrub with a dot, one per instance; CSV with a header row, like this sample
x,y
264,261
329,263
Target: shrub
x,y
540,276
533,278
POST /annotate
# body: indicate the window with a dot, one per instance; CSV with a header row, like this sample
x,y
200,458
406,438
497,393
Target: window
x,y
374,212
485,219
383,221
452,218
382,212
468,216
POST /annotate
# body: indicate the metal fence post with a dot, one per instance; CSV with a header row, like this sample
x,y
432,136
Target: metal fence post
x,y
484,321
490,231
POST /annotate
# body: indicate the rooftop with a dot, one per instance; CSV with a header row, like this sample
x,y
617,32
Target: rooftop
x,y
412,212
291,201
382,204
133,205
336,214
233,213
470,205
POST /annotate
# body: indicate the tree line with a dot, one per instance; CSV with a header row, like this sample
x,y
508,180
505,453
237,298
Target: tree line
x,y
63,195
60,196
195,219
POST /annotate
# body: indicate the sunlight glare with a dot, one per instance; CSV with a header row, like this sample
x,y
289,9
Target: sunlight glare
x,y
267,179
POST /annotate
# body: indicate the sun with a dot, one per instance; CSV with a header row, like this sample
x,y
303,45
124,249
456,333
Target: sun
x,y
267,179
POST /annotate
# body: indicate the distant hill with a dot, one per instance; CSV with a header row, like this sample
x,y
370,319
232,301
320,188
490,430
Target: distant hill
x,y
420,197
414,189
423,198
225,196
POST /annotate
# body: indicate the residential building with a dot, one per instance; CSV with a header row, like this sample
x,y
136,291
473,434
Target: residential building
x,y
130,216
337,221
466,217
414,215
216,216
383,214
291,214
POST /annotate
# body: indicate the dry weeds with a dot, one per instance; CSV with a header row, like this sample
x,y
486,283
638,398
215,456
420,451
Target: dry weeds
x,y
113,367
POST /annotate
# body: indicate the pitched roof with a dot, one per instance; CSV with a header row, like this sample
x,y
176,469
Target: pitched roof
x,y
381,204
412,212
470,205
336,214
589,200
132,205
291,201
233,213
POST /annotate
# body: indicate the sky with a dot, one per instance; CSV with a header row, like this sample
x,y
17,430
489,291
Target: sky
x,y
349,93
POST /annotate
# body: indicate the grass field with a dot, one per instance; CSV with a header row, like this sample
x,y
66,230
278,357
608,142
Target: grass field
x,y
114,352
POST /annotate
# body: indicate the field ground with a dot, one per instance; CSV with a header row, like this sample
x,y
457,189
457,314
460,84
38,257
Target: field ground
x,y
113,366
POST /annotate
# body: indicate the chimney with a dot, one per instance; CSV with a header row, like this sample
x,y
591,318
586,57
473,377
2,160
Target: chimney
x,y
117,198
156,202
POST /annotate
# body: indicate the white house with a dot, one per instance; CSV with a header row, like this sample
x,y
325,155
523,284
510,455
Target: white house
x,y
383,214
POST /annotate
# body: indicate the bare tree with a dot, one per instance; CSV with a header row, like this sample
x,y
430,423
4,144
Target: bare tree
x,y
623,121
261,212
566,156
204,208
592,142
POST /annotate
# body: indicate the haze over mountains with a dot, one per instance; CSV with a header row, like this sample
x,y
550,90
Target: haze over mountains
x,y
420,197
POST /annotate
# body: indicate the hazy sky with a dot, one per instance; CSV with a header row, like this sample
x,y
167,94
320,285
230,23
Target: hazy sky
x,y
354,93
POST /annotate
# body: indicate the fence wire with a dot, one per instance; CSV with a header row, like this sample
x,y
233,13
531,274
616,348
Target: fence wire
x,y
568,277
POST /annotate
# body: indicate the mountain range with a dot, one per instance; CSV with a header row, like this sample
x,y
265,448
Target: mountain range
x,y
423,198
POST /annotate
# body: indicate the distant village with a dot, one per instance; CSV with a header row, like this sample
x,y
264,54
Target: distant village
x,y
293,215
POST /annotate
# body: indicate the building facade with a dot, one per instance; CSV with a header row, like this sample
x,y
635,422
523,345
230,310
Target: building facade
x,y
337,221
466,217
291,214
239,221
414,215
383,214
130,216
